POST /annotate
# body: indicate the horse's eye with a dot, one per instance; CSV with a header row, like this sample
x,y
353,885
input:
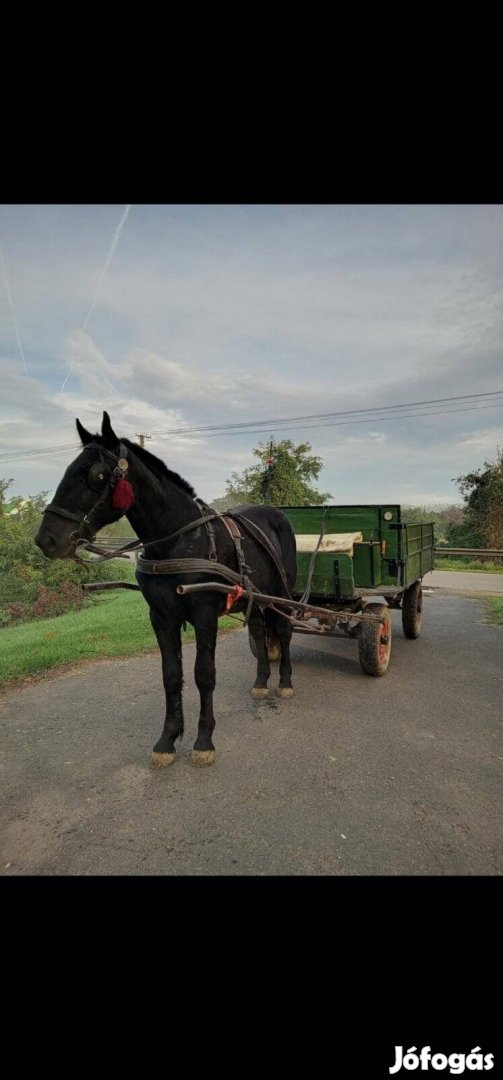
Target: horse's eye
x,y
98,476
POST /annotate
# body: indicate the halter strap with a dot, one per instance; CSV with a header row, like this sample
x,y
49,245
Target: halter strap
x,y
86,519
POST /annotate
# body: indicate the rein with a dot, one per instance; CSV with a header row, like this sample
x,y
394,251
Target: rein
x,y
136,545
170,566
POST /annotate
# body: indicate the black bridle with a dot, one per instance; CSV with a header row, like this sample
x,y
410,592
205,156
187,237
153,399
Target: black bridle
x,y
98,473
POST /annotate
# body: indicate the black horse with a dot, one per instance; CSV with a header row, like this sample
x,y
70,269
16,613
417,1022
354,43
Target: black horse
x,y
113,476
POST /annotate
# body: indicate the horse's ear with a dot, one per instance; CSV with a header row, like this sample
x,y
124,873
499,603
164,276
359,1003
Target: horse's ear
x,y
85,436
109,437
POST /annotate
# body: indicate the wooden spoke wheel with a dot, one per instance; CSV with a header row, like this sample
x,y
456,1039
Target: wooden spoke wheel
x,y
374,640
412,610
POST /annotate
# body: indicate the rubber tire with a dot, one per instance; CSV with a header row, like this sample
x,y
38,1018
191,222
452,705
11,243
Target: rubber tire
x,y
372,661
412,610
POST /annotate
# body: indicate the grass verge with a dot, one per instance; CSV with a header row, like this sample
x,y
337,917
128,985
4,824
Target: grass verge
x,y
113,624
495,611
472,565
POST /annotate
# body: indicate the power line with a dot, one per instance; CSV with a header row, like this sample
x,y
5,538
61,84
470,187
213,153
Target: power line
x,y
319,416
367,420
294,423
20,455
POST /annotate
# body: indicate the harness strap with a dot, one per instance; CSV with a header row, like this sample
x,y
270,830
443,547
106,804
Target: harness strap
x,y
187,566
199,566
307,591
137,545
245,570
62,513
210,530
258,534
117,472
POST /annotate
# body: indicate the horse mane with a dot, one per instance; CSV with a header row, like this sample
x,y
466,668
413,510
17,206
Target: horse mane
x,y
158,467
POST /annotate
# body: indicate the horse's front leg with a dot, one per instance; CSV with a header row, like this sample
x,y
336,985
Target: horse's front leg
x,y
170,643
205,623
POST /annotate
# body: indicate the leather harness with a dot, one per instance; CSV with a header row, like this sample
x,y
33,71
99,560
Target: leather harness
x,y
176,566
198,566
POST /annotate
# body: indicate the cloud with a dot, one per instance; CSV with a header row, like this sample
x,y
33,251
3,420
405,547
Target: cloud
x,y
215,314
82,358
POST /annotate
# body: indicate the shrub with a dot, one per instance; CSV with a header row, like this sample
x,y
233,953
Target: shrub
x,y
69,597
34,587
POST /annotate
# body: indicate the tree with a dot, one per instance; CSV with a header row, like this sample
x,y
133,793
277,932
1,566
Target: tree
x,y
4,485
280,479
482,491
443,518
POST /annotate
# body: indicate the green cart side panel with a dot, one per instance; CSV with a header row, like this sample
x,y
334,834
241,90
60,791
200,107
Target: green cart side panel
x,y
367,564
392,553
332,575
417,551
343,574
367,519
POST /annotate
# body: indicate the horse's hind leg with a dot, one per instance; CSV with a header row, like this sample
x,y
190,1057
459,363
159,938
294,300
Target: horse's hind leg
x,y
258,633
271,636
170,643
284,632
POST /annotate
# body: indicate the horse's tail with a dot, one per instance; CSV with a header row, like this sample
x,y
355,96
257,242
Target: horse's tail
x,y
271,635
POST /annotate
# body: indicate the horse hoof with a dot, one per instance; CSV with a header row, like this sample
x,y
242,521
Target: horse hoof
x,y
160,761
285,691
203,757
259,692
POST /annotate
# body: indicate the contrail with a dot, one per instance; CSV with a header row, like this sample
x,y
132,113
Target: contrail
x,y
11,305
109,258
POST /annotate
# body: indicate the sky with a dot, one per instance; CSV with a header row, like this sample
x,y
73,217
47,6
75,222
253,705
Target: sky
x,y
181,316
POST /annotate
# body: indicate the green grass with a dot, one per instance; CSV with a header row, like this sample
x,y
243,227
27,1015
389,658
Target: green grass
x,y
495,611
112,624
473,566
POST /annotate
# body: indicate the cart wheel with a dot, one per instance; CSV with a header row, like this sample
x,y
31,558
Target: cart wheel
x,y
412,610
374,640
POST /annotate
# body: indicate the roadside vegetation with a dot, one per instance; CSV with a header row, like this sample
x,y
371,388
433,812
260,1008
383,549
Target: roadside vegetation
x,y
475,566
110,624
46,620
495,610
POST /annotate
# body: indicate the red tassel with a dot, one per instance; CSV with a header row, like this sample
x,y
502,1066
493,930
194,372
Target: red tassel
x,y
123,496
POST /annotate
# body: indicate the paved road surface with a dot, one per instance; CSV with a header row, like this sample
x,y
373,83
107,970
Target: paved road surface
x,y
469,583
354,775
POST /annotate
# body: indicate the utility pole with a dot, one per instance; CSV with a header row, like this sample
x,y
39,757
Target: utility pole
x,y
142,438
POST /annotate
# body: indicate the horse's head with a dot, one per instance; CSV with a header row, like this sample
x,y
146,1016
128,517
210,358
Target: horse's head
x,y
90,495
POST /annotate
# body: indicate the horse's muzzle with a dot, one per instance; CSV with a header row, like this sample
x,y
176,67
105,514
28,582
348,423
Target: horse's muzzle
x,y
54,548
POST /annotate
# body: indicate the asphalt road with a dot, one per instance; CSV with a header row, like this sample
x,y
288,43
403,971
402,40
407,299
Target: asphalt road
x,y
456,581
354,775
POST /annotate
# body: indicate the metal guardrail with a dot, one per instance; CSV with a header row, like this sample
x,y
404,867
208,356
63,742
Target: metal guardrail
x,y
485,554
447,552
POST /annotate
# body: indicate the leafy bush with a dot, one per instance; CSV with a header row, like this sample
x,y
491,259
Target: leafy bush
x,y
463,536
32,586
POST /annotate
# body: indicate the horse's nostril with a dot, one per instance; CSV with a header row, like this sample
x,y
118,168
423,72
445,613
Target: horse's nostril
x,y
46,543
